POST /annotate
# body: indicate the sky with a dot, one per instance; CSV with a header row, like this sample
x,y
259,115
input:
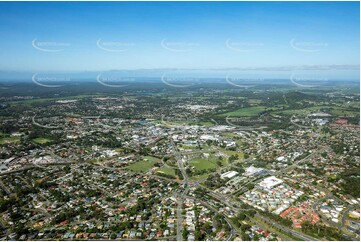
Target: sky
x,y
100,36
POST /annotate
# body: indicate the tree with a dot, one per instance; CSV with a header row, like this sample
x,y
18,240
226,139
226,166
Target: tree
x,y
185,234
256,237
113,236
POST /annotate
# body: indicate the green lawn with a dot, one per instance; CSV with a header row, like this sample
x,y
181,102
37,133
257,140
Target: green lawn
x,y
41,140
151,158
167,170
228,134
254,101
141,166
333,110
344,112
8,140
203,164
119,150
200,177
189,146
246,112
231,152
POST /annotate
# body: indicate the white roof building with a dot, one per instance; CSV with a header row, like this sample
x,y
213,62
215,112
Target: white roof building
x,y
208,137
229,174
252,170
281,158
270,182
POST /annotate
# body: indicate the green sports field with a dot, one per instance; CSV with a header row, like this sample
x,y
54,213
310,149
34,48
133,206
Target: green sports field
x,y
141,166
